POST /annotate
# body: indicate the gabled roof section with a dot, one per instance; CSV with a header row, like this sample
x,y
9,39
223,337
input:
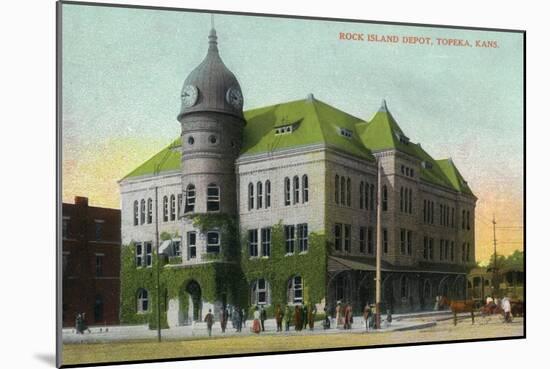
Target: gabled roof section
x,y
314,123
168,159
451,172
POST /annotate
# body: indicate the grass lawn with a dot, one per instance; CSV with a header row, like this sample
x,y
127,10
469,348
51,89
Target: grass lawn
x,y
128,351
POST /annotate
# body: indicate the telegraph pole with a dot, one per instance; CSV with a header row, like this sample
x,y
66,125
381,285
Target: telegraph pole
x,y
378,246
495,271
158,259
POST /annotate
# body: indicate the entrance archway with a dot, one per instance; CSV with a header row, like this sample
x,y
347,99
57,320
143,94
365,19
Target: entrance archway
x,y
194,298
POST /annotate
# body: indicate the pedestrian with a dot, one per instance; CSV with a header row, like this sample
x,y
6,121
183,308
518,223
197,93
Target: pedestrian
x,y
338,311
238,316
436,307
348,317
304,316
372,316
209,319
78,324
326,324
243,317
366,316
85,324
279,318
288,317
388,318
263,317
297,318
224,314
311,316
256,323
507,308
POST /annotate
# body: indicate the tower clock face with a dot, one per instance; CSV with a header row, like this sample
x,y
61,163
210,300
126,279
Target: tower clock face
x,y
189,95
234,97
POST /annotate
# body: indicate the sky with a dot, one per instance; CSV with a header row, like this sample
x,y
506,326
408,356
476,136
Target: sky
x,y
123,70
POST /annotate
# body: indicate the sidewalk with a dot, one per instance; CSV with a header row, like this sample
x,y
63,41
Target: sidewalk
x,y
401,322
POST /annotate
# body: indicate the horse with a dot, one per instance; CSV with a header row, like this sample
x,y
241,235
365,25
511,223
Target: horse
x,y
458,306
517,308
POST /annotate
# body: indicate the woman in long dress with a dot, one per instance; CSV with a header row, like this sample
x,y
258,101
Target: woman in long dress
x,y
256,327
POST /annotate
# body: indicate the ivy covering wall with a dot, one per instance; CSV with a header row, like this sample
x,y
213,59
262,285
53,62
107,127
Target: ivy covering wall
x,y
226,279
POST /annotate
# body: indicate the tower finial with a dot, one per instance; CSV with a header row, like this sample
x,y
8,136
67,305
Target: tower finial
x,y
383,106
212,37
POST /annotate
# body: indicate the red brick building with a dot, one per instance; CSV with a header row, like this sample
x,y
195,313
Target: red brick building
x,y
91,263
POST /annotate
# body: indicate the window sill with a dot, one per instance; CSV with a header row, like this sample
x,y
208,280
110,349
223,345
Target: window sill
x,y
302,253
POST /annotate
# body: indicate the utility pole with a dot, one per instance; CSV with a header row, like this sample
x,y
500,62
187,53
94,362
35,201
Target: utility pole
x,y
378,246
158,259
495,270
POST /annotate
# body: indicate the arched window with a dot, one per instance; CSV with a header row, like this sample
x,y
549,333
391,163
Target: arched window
x,y
260,292
343,190
165,208
250,196
295,290
212,197
149,211
296,198
136,213
172,207
259,194
287,191
404,287
337,189
142,300
267,194
384,198
410,200
305,189
427,289
348,192
361,194
142,212
190,198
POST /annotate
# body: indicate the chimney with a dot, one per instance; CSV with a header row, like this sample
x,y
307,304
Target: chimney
x,y
81,201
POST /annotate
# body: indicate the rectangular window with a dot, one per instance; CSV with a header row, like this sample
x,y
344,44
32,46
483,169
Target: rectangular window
x,y
452,251
409,242
98,230
177,248
362,239
191,245
172,207
65,231
338,236
99,265
403,244
139,254
296,198
148,253
165,208
190,199
267,194
290,238
401,195
431,248
370,240
303,237
347,237
259,195
149,211
385,240
213,198
266,242
425,253
253,242
213,242
468,220
446,249
441,249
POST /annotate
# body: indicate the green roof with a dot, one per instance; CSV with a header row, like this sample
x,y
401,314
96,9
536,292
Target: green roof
x,y
316,123
167,159
313,121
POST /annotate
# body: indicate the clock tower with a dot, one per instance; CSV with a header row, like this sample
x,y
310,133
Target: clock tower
x,y
212,123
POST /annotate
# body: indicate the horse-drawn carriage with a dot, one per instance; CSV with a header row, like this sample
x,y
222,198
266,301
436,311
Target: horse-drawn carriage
x,y
485,311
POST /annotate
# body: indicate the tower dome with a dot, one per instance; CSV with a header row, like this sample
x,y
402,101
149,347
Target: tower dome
x,y
211,86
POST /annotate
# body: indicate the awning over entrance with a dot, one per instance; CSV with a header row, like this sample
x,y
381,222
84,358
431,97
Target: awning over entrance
x,y
337,264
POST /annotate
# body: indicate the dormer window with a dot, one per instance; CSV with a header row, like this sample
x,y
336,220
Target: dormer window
x,y
346,132
285,129
427,165
402,138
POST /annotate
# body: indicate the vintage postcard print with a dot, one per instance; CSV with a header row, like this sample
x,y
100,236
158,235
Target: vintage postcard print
x,y
233,184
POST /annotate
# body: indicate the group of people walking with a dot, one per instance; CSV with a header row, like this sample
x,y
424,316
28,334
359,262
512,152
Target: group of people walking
x,y
505,305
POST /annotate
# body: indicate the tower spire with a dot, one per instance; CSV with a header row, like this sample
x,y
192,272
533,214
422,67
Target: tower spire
x,y
212,37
